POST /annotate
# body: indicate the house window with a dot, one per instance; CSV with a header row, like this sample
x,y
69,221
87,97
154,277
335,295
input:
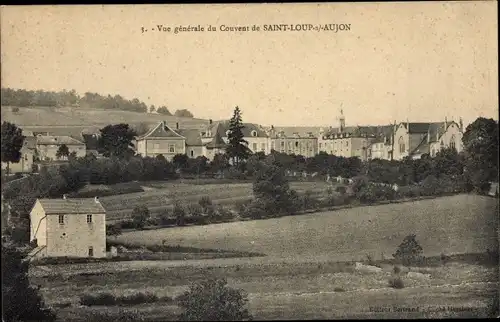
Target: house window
x,y
192,153
401,143
254,146
320,145
91,251
254,133
282,144
61,219
89,219
346,143
296,144
263,147
171,148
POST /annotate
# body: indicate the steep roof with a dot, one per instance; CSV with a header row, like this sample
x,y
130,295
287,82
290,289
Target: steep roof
x,y
57,140
193,136
71,206
247,129
162,130
217,142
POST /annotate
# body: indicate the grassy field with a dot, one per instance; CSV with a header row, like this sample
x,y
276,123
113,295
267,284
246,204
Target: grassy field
x,y
455,224
287,291
308,273
71,121
160,196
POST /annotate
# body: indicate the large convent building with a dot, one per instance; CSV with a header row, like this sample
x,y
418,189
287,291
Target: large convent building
x,y
390,142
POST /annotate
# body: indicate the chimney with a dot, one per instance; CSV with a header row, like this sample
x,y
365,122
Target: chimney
x,y
428,135
210,121
445,123
64,196
407,125
461,124
177,125
96,199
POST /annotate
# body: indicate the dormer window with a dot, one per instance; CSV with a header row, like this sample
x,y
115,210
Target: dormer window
x,y
254,133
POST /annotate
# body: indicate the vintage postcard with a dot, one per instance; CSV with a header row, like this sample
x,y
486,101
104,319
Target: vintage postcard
x,y
250,161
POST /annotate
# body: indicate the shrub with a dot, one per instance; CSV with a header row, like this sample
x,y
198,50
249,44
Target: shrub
x,y
308,201
140,215
114,230
430,186
255,210
396,282
166,218
409,251
99,299
194,210
223,213
205,202
213,300
108,299
180,214
241,205
338,289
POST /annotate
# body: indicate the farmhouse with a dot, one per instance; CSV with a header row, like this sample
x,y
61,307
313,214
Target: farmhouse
x,y
48,145
161,140
68,227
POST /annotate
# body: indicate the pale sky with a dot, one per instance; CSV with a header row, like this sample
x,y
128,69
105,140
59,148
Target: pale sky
x,y
420,61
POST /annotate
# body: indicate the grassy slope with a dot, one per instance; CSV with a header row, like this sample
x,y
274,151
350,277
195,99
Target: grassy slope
x,y
456,224
272,295
68,120
120,206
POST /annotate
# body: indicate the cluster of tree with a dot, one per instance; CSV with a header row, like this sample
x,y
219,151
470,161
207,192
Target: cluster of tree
x,y
24,98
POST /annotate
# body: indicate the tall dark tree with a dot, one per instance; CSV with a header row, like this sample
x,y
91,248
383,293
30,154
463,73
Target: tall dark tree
x,y
63,151
481,152
237,148
21,301
116,140
12,142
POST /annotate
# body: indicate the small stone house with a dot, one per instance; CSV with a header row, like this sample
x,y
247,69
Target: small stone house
x,y
68,227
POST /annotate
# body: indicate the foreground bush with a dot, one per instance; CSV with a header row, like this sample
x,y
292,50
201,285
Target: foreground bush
x,y
106,299
213,300
20,300
396,282
409,251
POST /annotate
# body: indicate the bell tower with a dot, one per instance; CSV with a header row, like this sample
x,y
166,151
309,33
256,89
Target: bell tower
x,y
341,121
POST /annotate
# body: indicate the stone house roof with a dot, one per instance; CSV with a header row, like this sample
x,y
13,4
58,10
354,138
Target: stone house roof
x,y
57,140
71,206
161,130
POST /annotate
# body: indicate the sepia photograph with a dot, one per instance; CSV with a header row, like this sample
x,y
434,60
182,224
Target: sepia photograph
x,y
236,162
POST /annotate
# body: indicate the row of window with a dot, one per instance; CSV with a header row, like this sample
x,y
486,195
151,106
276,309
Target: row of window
x,y
62,219
171,148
